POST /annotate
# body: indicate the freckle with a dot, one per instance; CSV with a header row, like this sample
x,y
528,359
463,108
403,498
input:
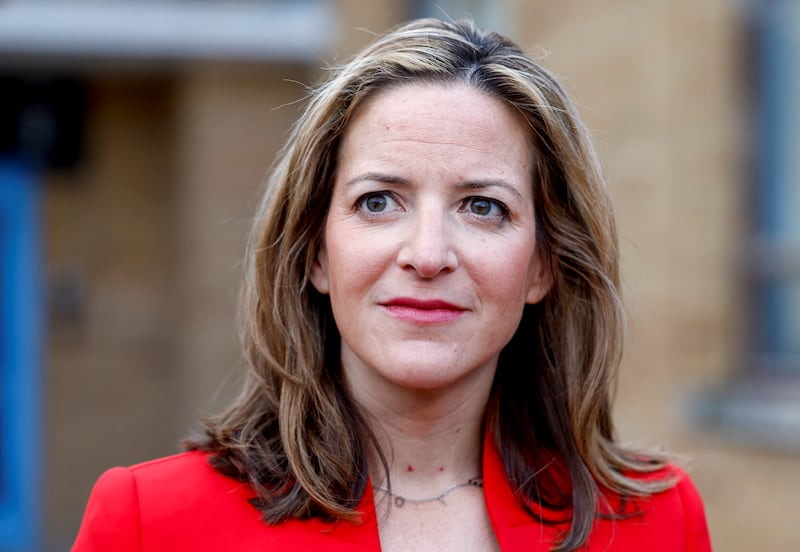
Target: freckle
x,y
410,468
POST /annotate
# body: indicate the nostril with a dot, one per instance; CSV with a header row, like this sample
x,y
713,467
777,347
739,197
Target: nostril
x,y
428,257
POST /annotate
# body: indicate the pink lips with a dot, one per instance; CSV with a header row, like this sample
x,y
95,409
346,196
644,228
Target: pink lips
x,y
422,311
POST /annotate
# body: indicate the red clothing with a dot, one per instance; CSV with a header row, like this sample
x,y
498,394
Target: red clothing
x,y
181,503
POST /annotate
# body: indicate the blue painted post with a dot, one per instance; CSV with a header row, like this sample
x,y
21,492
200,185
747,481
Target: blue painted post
x,y
20,359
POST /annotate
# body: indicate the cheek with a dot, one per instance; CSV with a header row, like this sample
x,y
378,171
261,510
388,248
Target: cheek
x,y
354,261
506,274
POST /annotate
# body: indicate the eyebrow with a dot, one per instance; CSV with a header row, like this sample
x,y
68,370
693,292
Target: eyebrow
x,y
377,177
479,184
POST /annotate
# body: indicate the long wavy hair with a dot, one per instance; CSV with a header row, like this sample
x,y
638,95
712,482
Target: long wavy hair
x,y
294,433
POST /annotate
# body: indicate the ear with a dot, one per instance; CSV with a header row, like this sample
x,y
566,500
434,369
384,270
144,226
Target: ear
x,y
541,278
319,270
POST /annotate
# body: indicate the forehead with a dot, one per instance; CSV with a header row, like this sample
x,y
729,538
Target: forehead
x,y
451,101
434,115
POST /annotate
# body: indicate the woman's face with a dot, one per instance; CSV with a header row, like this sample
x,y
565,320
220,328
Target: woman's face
x,y
429,251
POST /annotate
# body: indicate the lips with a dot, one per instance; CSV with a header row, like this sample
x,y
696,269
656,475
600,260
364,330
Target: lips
x,y
422,311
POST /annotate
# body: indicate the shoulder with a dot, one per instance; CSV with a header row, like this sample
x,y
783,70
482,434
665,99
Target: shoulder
x,y
672,519
182,503
179,473
685,505
184,480
681,498
162,501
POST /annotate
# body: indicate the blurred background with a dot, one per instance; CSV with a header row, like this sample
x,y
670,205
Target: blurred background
x,y
134,137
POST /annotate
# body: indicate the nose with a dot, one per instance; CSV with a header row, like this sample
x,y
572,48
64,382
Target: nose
x,y
428,248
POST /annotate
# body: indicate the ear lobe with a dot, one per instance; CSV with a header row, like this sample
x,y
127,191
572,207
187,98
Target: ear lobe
x,y
319,271
541,282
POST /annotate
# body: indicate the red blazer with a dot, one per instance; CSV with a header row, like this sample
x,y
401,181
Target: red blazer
x,y
182,503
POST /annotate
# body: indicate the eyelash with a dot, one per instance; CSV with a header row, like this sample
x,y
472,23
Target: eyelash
x,y
361,202
361,205
504,211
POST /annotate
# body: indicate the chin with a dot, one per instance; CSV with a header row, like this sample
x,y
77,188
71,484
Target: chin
x,y
434,374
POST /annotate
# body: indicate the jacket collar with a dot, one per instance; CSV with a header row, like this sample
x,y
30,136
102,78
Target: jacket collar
x,y
514,527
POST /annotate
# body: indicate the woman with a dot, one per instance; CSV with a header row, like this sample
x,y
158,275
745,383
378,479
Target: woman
x,y
432,325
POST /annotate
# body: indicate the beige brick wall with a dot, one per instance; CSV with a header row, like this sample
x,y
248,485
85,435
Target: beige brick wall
x,y
658,88
109,364
229,124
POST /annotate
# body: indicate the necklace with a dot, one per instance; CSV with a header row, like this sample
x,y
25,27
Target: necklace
x,y
399,501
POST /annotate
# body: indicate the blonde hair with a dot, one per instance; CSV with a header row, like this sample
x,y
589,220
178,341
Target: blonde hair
x,y
294,433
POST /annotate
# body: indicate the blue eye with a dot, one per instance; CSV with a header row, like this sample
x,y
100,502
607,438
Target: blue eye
x,y
485,207
480,206
375,203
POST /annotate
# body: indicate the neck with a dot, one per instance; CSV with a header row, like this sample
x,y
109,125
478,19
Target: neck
x,y
431,438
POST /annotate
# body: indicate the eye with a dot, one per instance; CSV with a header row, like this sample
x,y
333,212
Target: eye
x,y
485,207
375,202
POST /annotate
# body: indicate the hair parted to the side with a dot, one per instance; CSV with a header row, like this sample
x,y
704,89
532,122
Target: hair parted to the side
x,y
296,436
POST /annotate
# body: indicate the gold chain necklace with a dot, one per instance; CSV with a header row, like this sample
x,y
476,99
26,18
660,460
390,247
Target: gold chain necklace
x,y
400,501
